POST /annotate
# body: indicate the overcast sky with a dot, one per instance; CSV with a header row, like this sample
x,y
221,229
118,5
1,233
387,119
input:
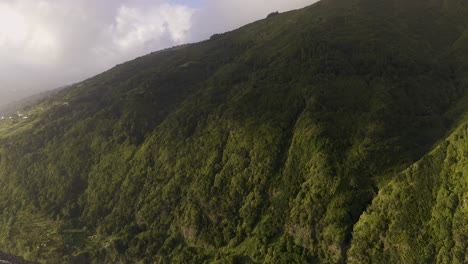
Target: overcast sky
x,y
49,43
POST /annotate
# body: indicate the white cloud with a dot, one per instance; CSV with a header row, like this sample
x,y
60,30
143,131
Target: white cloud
x,y
23,40
49,43
136,27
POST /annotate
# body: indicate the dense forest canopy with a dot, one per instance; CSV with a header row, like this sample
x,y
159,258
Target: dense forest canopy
x,y
337,133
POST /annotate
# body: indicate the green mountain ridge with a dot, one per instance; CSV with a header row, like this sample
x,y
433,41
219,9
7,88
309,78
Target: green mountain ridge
x,y
337,133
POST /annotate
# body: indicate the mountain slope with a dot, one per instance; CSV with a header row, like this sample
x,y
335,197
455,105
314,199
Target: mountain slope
x,y
280,142
422,215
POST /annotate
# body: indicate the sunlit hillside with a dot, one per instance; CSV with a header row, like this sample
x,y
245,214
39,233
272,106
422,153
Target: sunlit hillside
x,y
337,133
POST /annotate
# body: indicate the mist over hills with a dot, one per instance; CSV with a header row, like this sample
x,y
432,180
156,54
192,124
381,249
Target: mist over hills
x,y
8,97
337,133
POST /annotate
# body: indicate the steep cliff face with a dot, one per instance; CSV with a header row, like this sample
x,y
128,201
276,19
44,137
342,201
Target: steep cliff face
x,y
422,214
331,134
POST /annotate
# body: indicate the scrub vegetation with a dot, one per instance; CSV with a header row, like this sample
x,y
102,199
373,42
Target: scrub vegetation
x,y
336,133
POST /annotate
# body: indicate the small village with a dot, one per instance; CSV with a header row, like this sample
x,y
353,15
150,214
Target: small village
x,y
18,116
25,115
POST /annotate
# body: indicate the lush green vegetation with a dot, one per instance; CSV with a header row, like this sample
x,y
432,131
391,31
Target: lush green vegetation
x,y
337,133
